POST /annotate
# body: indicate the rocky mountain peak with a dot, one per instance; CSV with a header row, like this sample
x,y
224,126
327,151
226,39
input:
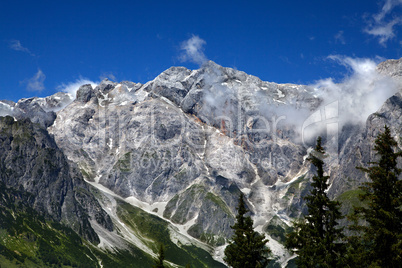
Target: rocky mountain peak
x,y
85,93
105,86
391,68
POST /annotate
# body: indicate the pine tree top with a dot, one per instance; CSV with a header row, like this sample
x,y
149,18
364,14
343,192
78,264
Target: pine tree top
x,y
247,247
381,236
317,239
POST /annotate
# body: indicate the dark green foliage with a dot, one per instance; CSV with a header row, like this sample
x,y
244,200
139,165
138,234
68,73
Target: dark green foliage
x,y
160,259
316,238
277,229
277,232
378,225
247,248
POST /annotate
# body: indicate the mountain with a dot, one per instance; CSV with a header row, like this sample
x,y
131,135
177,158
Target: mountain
x,y
129,165
45,203
32,162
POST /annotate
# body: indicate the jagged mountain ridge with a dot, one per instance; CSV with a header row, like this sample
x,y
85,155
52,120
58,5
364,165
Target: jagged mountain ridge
x,y
185,144
144,146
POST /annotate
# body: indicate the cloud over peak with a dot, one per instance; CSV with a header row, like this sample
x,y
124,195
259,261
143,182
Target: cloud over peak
x,y
193,50
73,86
359,94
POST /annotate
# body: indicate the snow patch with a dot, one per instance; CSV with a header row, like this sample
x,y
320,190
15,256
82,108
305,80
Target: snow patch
x,y
110,143
279,101
279,93
246,191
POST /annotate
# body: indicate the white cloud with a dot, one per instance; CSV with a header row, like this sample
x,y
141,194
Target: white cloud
x,y
193,50
382,27
72,87
35,83
383,31
359,94
16,45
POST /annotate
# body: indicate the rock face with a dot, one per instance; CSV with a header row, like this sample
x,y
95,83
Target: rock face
x,y
391,68
85,93
184,145
160,141
192,140
37,110
31,160
359,148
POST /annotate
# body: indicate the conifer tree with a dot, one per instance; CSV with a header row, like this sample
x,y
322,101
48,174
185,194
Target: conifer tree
x,y
379,222
160,259
247,248
316,238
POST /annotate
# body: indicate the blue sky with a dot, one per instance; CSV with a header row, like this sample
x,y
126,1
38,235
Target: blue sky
x,y
45,45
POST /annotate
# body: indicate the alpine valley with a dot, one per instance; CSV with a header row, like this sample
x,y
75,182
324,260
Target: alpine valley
x,y
103,178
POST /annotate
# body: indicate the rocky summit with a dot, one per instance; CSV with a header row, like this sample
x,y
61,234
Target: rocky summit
x,y
176,152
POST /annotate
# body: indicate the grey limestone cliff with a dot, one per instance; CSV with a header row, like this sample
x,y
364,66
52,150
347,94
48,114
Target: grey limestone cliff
x,y
31,161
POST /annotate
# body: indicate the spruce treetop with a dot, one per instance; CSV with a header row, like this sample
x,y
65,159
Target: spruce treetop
x,y
247,248
378,224
317,238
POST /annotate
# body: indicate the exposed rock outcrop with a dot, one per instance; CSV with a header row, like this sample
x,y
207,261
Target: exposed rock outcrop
x,y
30,160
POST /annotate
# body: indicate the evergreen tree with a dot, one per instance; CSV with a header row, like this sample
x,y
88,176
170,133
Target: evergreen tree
x,y
160,259
247,248
316,238
379,222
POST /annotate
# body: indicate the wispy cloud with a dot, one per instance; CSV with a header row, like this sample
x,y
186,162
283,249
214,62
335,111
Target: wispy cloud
x,y
35,83
340,38
16,45
384,32
108,75
193,50
388,6
383,27
72,87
